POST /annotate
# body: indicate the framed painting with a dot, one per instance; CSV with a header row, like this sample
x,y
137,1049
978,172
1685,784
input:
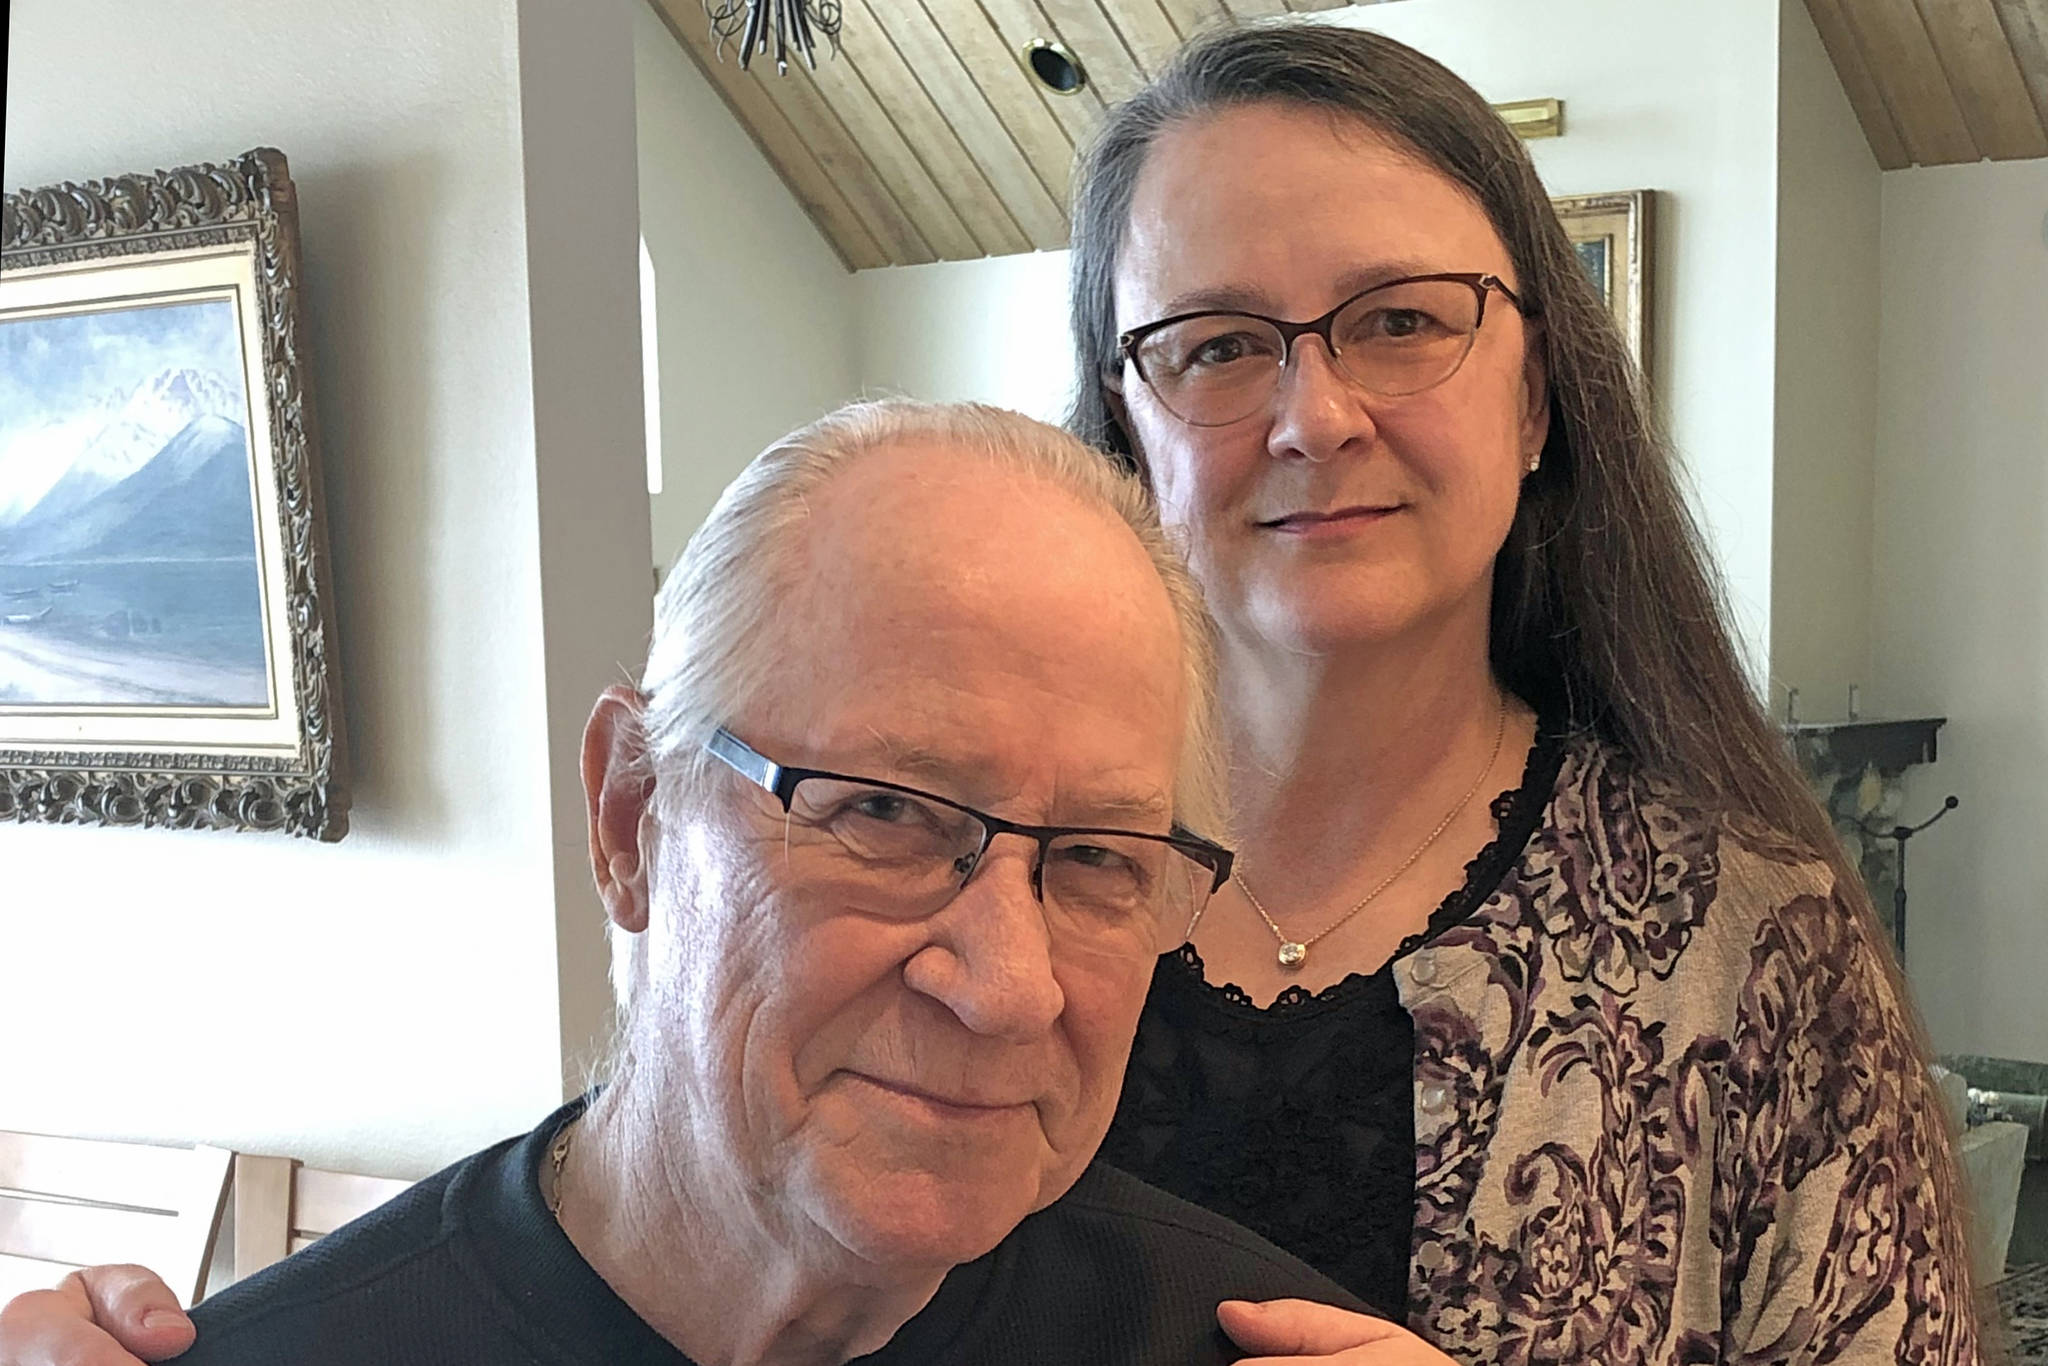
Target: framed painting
x,y
1612,234
167,643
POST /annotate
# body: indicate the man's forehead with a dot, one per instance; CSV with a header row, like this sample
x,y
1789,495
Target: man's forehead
x,y
987,636
917,539
923,495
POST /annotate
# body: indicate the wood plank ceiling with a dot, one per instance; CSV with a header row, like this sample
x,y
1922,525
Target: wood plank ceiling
x,y
927,139
1937,82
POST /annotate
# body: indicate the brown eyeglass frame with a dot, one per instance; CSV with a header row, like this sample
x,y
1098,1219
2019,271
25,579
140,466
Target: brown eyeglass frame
x,y
1480,283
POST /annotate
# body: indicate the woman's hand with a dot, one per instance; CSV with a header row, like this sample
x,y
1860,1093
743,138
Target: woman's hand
x,y
1301,1330
101,1316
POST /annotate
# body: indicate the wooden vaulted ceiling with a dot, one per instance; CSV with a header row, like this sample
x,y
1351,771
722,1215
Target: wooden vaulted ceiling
x,y
927,139
1937,82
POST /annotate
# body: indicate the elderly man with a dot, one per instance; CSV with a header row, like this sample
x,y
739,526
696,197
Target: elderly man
x,y
894,830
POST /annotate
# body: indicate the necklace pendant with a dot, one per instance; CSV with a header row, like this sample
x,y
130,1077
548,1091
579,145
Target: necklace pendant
x,y
1292,955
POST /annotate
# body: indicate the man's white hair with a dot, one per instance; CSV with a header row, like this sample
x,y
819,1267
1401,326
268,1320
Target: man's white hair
x,y
716,641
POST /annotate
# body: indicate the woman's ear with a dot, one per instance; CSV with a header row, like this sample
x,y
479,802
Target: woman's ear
x,y
1535,397
1113,399
618,792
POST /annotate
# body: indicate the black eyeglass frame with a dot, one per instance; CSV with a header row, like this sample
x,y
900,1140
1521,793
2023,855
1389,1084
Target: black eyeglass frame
x,y
1480,283
780,781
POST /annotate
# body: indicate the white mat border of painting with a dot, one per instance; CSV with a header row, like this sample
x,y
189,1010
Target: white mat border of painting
x,y
216,271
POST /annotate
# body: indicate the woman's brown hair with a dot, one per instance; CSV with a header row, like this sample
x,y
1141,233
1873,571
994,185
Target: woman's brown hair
x,y
1607,615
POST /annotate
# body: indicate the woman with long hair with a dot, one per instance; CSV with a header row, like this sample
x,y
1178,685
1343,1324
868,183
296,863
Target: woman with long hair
x,y
1612,1066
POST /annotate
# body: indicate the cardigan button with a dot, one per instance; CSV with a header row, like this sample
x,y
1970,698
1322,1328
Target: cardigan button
x,y
1433,1098
1422,967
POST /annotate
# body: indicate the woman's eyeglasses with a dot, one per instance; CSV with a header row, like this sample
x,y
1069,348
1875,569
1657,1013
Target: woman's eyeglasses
x,y
1214,368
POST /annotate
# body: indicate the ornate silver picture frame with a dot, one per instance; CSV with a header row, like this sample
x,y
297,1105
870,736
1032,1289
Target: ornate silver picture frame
x,y
1612,234
167,641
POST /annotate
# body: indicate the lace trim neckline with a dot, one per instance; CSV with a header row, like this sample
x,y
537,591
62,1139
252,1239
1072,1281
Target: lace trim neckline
x,y
1516,812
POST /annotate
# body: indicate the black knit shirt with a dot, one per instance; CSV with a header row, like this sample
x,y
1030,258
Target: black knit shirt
x,y
469,1269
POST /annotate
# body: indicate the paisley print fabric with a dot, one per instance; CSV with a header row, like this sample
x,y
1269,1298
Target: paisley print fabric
x,y
1668,1110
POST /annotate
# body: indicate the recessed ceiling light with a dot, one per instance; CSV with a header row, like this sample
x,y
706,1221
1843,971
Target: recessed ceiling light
x,y
1055,68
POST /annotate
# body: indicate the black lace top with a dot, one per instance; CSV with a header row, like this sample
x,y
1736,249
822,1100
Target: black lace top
x,y
1297,1119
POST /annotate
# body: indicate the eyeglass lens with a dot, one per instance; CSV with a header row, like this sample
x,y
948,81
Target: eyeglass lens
x,y
897,854
1223,367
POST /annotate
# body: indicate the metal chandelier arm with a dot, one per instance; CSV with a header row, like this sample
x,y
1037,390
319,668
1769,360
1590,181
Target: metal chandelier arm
x,y
752,25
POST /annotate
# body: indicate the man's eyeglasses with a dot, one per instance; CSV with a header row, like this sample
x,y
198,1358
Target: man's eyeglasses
x,y
1212,369
893,850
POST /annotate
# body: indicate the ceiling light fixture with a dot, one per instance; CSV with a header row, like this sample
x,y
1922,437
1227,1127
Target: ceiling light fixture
x,y
792,26
1055,68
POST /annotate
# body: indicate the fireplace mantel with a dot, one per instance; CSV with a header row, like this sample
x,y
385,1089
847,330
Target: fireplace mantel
x,y
1852,746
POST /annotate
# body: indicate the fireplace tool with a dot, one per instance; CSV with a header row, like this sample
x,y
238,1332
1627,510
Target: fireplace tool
x,y
1899,834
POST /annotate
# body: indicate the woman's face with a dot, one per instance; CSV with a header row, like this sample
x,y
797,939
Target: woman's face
x,y
1330,517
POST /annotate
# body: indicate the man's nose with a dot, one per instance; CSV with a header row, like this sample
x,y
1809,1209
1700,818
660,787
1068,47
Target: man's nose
x,y
990,959
1318,408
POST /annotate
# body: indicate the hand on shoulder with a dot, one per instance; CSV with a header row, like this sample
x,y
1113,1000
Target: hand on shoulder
x,y
101,1316
1291,1330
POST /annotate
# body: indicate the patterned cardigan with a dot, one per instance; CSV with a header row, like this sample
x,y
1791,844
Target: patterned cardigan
x,y
1667,1108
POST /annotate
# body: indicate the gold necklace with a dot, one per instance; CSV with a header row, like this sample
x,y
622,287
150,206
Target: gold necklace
x,y
558,1154
1294,952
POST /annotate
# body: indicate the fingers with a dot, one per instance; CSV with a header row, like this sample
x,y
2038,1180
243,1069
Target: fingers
x,y
54,1328
134,1305
1297,1330
138,1321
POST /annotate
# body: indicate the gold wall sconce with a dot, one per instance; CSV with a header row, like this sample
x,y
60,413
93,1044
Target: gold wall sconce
x,y
1533,118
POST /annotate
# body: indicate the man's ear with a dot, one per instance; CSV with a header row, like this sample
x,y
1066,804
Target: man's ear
x,y
618,787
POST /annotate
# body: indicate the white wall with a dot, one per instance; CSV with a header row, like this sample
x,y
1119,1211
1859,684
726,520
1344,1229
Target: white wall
x,y
577,126
1961,583
756,312
393,1001
1826,406
994,331
1676,98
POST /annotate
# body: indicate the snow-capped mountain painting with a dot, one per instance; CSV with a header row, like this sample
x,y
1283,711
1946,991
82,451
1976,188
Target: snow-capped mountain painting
x,y
129,560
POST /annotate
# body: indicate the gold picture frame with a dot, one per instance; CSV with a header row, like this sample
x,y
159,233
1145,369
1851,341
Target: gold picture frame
x,y
167,645
1612,235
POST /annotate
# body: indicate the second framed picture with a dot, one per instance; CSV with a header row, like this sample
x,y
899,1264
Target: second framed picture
x,y
1612,235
